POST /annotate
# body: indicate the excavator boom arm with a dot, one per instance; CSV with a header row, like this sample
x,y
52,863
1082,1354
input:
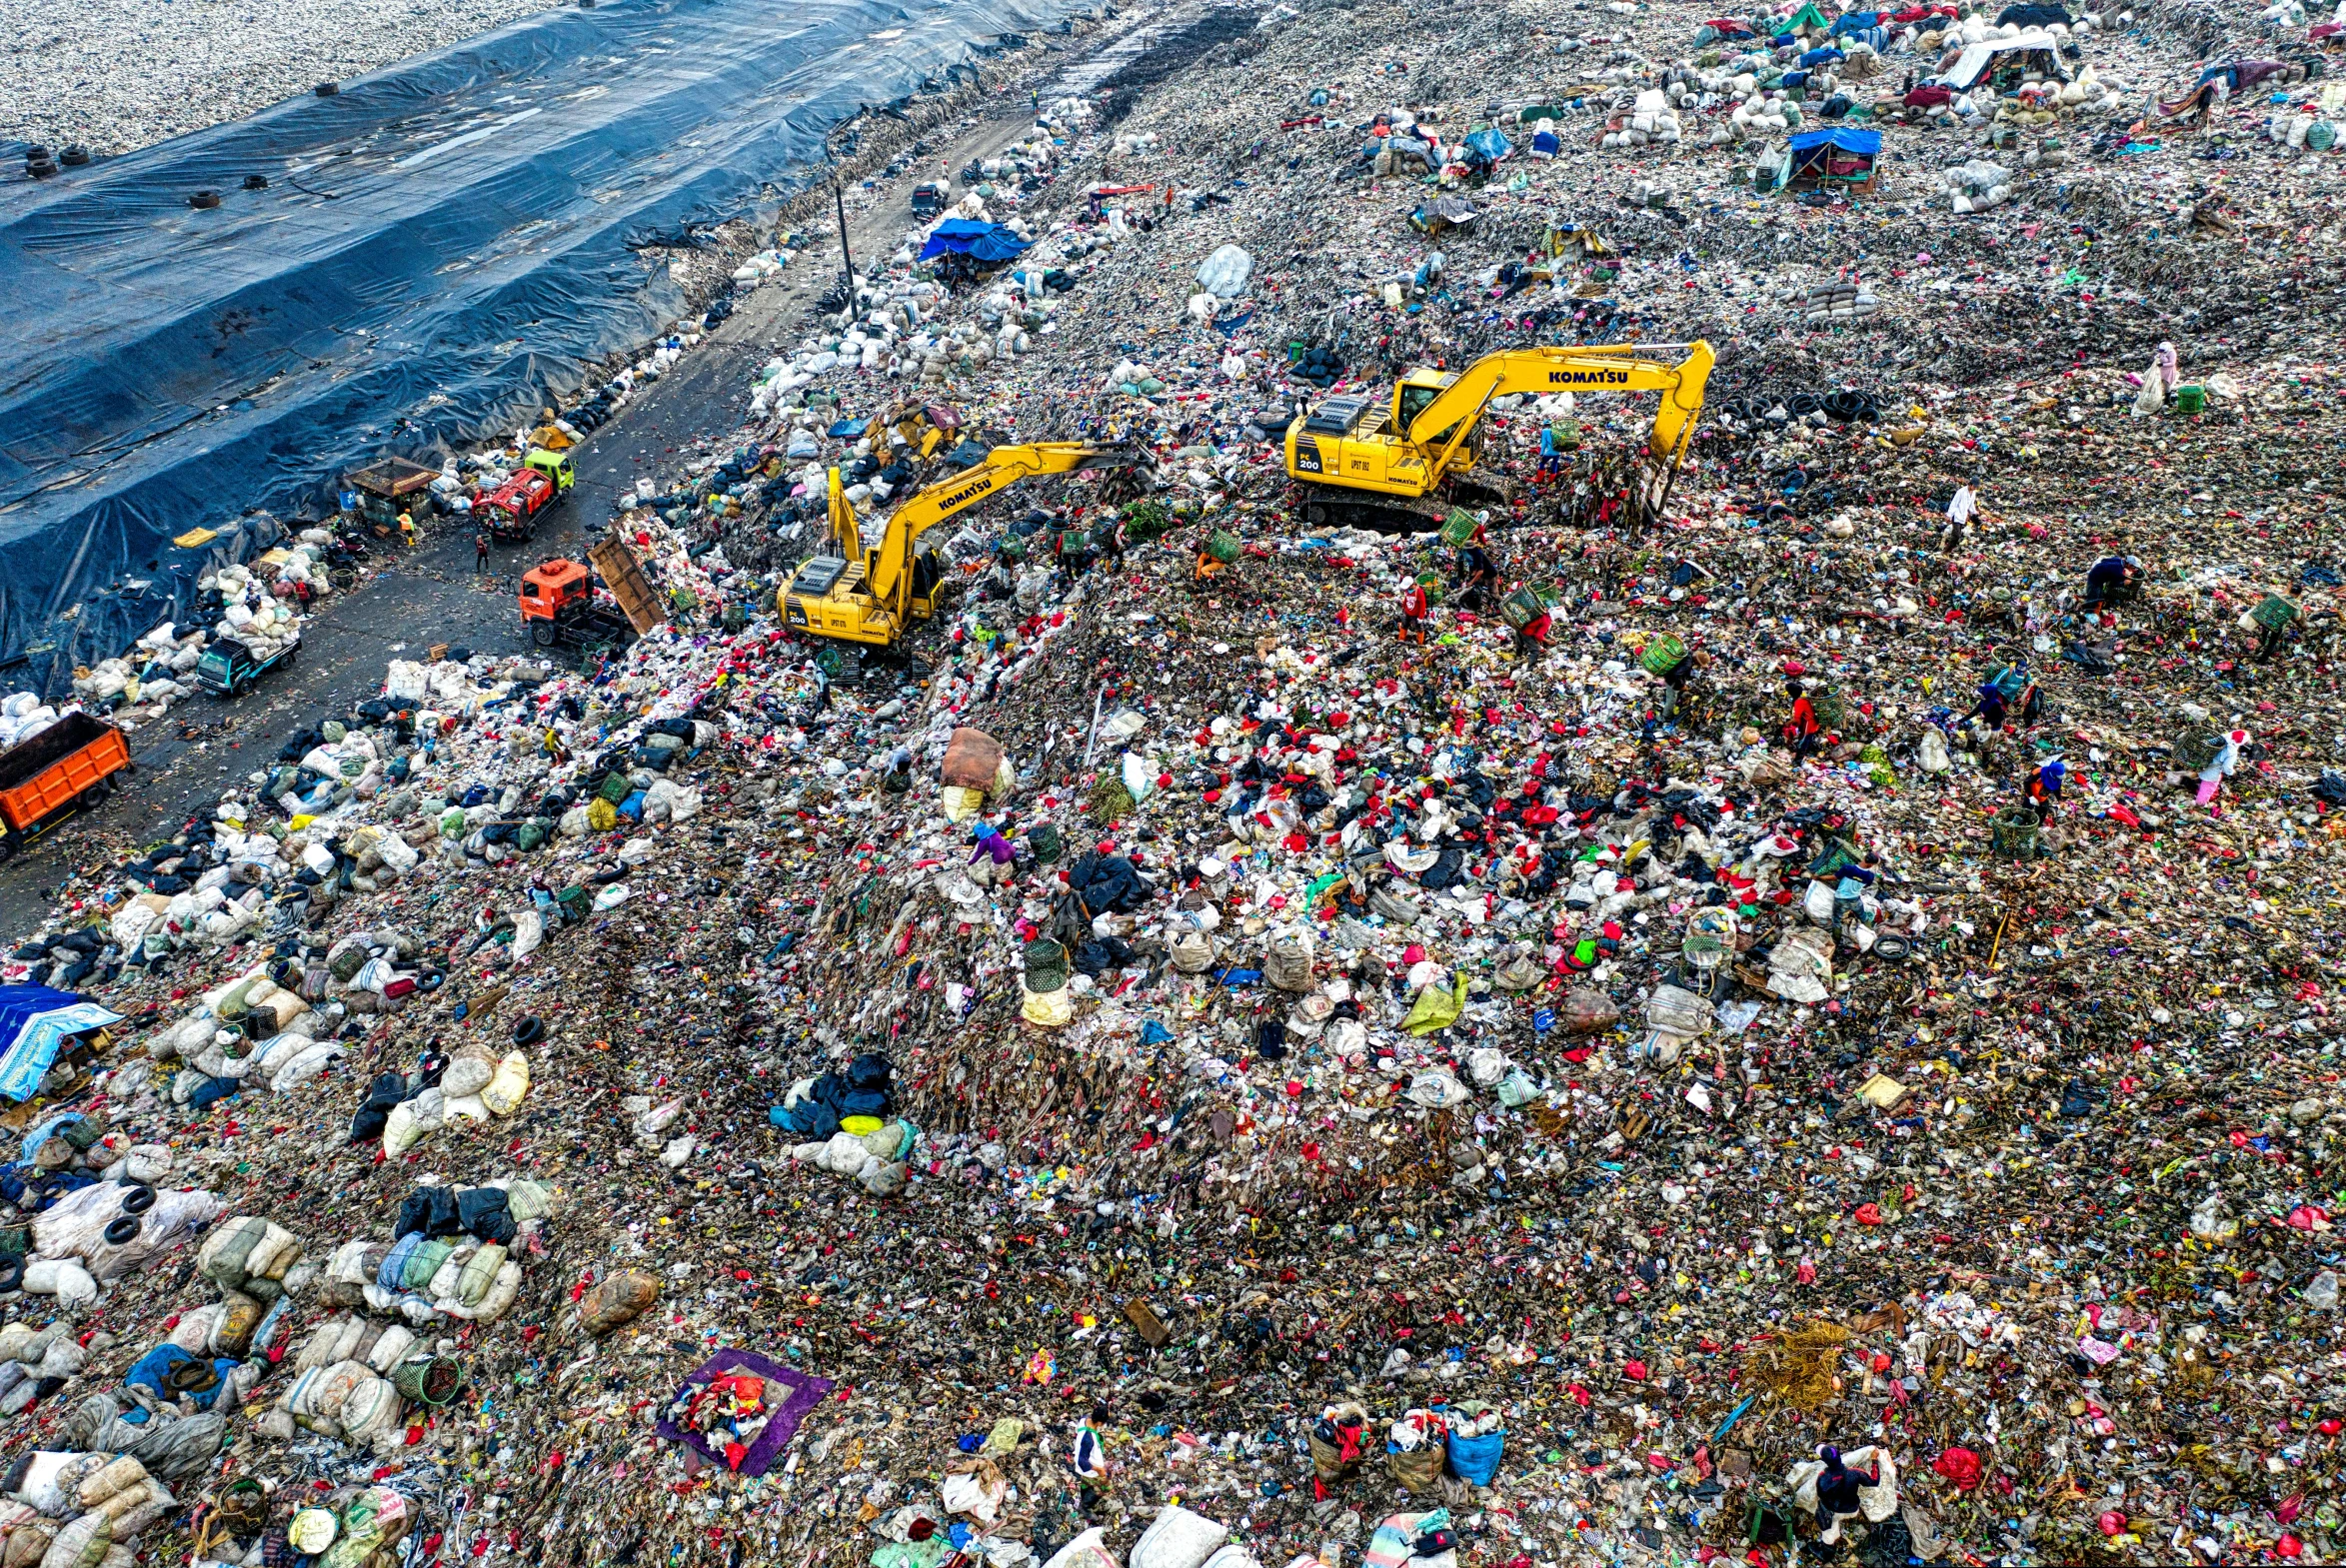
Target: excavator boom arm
x,y
1621,366
889,571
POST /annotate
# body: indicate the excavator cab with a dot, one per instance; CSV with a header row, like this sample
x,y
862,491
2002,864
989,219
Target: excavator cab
x,y
1415,391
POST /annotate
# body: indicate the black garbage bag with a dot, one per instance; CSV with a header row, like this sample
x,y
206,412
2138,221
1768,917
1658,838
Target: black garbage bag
x,y
429,1211
484,1212
1105,882
374,1111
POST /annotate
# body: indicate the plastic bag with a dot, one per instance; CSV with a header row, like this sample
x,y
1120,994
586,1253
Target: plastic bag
x,y
1418,1470
510,1082
1178,1539
1088,1550
615,1300
1225,273
1437,1008
1477,1458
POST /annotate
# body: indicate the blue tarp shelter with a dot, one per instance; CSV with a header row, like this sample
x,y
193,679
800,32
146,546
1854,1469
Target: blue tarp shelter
x,y
990,243
1488,146
35,1023
1835,155
1844,138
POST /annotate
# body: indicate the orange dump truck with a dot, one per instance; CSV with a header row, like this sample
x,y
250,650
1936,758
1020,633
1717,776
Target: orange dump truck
x,y
42,779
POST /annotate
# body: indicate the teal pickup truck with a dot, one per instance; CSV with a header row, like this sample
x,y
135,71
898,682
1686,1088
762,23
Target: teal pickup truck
x,y
229,668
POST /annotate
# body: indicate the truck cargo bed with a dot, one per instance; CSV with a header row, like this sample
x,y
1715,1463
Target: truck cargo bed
x,y
19,763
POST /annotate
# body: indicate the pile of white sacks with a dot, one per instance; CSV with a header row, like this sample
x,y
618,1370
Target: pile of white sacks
x,y
24,716
1977,186
876,1159
1648,120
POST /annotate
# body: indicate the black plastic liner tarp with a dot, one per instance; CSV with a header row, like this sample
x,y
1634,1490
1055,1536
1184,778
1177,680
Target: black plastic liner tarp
x,y
439,248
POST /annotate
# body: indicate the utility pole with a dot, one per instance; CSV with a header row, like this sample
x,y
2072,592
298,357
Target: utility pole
x,y
840,201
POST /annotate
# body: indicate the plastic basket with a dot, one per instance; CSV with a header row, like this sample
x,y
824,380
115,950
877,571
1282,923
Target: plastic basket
x,y
1047,965
1664,654
428,1380
1458,527
2190,399
2012,832
2274,611
2196,749
1222,547
1522,608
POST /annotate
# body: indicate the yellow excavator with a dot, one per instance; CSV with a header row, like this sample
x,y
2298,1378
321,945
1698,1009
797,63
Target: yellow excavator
x,y
872,596
1400,462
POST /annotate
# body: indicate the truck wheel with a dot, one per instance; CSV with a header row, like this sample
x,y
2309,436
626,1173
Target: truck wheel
x,y
542,632
93,797
7,847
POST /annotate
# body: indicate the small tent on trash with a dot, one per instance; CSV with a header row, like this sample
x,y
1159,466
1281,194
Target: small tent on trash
x,y
1836,156
988,244
35,1023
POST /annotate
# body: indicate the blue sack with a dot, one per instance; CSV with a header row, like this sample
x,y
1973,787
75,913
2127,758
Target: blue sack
x,y
1477,1459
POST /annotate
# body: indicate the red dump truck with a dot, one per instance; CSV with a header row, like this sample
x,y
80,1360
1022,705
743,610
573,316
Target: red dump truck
x,y
44,780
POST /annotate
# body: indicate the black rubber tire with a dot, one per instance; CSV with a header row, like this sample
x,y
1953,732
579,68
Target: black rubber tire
x,y
542,632
75,155
529,1031
256,182
93,797
123,1231
7,848
11,1271
1892,949
138,1200
327,89
204,201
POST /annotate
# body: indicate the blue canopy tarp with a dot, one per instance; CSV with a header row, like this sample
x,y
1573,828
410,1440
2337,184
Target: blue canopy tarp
x,y
1841,138
1488,145
35,1023
985,241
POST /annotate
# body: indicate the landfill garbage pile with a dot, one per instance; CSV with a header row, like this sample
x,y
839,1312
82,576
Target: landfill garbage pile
x,y
1804,1027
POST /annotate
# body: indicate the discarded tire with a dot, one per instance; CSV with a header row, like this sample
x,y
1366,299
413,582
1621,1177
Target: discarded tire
x,y
138,1200
204,201
529,1031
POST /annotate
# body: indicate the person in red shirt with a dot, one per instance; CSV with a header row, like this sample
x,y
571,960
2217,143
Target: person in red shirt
x,y
1417,611
1803,730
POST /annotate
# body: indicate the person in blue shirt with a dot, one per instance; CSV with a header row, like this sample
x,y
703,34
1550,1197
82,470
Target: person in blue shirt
x,y
2111,578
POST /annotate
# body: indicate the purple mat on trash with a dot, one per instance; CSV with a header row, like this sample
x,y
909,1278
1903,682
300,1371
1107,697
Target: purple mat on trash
x,y
806,1393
